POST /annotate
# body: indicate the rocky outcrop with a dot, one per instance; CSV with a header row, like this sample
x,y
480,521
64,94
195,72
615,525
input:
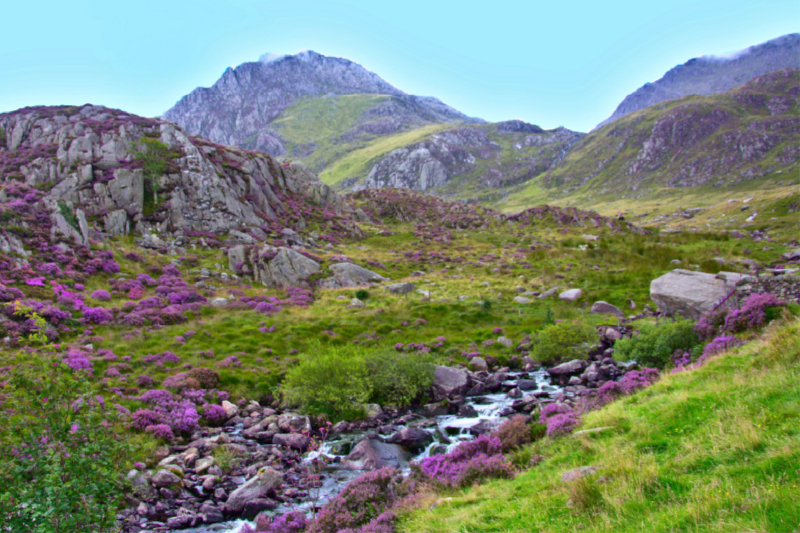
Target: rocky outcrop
x,y
444,157
689,293
714,74
93,162
350,275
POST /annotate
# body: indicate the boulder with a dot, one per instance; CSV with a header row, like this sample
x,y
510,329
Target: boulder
x,y
522,300
449,381
605,308
288,268
371,454
505,341
570,295
230,409
350,275
255,488
578,473
413,439
794,255
219,302
576,366
355,303
478,364
690,293
548,293
297,441
400,288
165,478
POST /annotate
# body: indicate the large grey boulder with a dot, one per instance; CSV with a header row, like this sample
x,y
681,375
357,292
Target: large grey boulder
x,y
414,439
286,268
690,293
570,295
605,308
449,381
400,288
350,275
576,366
371,454
254,489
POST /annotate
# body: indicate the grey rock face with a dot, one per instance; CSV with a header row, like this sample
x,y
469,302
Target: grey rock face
x,y
710,74
207,188
350,275
690,293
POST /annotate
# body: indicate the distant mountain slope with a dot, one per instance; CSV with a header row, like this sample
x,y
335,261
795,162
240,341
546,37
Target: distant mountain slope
x,y
714,74
717,141
241,106
462,162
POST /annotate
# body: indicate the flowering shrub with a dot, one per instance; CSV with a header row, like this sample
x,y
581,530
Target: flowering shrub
x,y
101,295
293,522
559,418
362,500
97,315
513,433
214,414
468,463
754,312
719,345
160,431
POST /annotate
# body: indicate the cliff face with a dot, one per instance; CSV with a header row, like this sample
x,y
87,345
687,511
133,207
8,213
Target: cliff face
x,y
474,158
241,106
94,171
718,140
710,75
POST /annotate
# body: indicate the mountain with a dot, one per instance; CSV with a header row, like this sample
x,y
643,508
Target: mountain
x,y
270,104
714,74
717,141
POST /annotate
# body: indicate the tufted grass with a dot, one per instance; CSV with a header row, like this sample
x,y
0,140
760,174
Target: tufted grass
x,y
715,449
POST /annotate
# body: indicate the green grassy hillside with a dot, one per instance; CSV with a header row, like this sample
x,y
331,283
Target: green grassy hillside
x,y
715,449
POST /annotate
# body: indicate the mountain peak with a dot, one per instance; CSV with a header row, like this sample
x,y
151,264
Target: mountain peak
x,y
714,74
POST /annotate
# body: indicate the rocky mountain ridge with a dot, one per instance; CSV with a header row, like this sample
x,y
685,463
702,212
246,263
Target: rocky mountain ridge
x,y
720,140
713,74
239,108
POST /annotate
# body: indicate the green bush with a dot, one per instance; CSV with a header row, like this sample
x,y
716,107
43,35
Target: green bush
x,y
655,345
362,294
62,457
332,380
564,341
399,378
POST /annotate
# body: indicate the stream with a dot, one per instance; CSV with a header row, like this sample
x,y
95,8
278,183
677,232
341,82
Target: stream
x,y
448,432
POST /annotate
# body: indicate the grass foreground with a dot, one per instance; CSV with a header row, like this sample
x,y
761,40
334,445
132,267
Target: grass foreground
x,y
714,449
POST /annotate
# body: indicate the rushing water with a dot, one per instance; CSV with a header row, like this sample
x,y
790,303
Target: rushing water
x,y
448,431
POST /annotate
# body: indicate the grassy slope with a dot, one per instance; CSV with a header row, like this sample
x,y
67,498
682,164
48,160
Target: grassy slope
x,y
322,122
609,190
715,449
358,162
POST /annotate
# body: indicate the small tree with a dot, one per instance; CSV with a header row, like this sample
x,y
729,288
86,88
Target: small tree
x,y
61,455
154,155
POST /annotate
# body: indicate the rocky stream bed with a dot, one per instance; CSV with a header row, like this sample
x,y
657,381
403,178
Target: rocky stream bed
x,y
188,489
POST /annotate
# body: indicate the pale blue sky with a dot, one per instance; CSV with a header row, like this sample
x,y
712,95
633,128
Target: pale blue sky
x,y
556,63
